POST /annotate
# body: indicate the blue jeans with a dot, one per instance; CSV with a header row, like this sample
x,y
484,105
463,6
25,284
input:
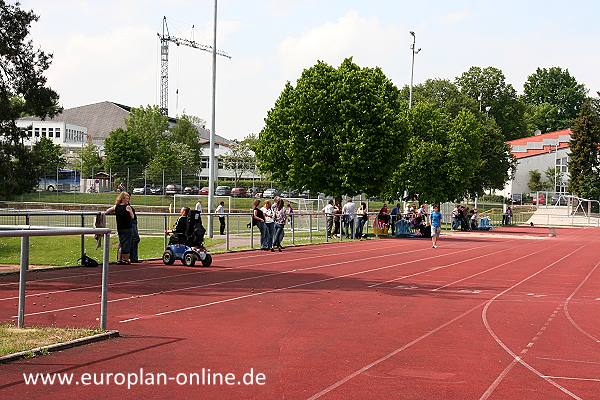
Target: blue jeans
x,y
266,239
278,236
360,223
125,240
135,241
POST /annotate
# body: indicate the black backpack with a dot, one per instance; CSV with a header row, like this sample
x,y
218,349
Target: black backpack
x,y
88,262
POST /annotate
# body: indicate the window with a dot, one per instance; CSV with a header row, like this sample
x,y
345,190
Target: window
x,y
37,132
50,132
29,131
44,132
57,132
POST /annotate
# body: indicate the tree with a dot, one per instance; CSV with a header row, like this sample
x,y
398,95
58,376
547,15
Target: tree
x,y
150,127
535,181
23,91
169,156
334,131
239,159
585,139
556,87
544,117
553,174
185,132
489,88
444,94
47,156
123,148
90,159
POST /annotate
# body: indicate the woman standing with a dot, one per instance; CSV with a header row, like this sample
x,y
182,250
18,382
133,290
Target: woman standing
x,y
362,217
267,238
124,214
135,237
258,219
281,215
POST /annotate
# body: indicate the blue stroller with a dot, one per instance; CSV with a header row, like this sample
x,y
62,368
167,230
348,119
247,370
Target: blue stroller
x,y
187,242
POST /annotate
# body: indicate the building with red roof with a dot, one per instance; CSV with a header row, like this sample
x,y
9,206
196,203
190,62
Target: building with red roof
x,y
539,152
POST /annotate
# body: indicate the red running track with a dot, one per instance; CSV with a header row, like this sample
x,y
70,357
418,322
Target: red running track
x,y
511,314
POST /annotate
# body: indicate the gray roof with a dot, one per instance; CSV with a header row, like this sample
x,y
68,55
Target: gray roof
x,y
102,118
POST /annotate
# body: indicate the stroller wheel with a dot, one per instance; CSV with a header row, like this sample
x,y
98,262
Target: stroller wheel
x,y
189,259
207,261
168,257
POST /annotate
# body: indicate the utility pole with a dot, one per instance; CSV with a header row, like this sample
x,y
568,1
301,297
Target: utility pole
x,y
412,69
165,38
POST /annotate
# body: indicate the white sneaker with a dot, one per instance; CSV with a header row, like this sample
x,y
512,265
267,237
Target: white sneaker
x,y
435,246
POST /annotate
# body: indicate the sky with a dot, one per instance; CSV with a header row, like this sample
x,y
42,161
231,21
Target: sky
x,y
108,50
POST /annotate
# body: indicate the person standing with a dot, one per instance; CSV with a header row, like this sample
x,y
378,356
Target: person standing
x,y
281,216
269,230
349,212
124,215
361,218
220,211
135,238
258,219
394,217
198,206
328,211
436,225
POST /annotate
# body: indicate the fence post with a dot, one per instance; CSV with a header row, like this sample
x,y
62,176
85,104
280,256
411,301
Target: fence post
x,y
252,231
310,227
227,233
104,300
82,237
22,280
165,232
326,232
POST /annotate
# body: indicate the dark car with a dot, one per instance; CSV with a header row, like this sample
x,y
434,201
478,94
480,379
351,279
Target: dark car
x,y
223,191
239,192
156,190
203,191
142,190
191,190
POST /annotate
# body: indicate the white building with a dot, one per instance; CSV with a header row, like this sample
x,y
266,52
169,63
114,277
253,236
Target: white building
x,y
539,153
66,135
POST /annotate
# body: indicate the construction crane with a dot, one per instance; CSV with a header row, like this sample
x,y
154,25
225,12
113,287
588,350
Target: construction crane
x,y
165,38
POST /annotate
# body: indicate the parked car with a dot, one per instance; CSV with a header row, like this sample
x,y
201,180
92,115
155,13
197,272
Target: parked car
x,y
255,192
191,190
305,194
537,201
173,189
239,192
223,191
270,193
289,193
142,190
156,190
203,191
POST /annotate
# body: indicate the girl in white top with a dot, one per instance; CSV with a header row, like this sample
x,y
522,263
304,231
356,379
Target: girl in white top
x,y
269,225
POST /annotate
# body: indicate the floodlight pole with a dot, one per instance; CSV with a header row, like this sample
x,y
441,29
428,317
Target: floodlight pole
x,y
211,162
555,160
412,69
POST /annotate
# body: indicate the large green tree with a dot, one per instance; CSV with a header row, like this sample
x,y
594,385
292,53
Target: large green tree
x,y
122,149
583,160
444,94
47,156
334,131
23,91
185,132
489,88
557,87
90,160
149,126
239,159
170,157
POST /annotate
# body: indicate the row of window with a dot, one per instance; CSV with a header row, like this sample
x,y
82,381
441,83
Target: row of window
x,y
71,134
247,166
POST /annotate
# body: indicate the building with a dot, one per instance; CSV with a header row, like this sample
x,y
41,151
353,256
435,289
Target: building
x,y
99,119
539,152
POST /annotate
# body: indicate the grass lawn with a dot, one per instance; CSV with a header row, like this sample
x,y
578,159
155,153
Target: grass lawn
x,y
65,250
14,340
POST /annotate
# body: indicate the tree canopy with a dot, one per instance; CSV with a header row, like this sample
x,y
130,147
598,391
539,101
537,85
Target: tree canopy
x,y
488,86
585,139
444,94
555,87
334,130
23,91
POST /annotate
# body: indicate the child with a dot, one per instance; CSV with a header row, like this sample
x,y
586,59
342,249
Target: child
x,y
436,225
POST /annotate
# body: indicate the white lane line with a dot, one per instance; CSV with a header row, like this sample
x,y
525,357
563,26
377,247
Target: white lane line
x,y
436,268
218,257
517,359
203,271
572,378
569,360
301,284
219,283
391,354
566,307
487,270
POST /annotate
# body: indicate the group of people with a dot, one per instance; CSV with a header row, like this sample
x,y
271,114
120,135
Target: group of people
x,y
345,220
271,220
464,218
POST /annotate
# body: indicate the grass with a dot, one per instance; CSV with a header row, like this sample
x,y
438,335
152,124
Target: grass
x,y
14,340
65,250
